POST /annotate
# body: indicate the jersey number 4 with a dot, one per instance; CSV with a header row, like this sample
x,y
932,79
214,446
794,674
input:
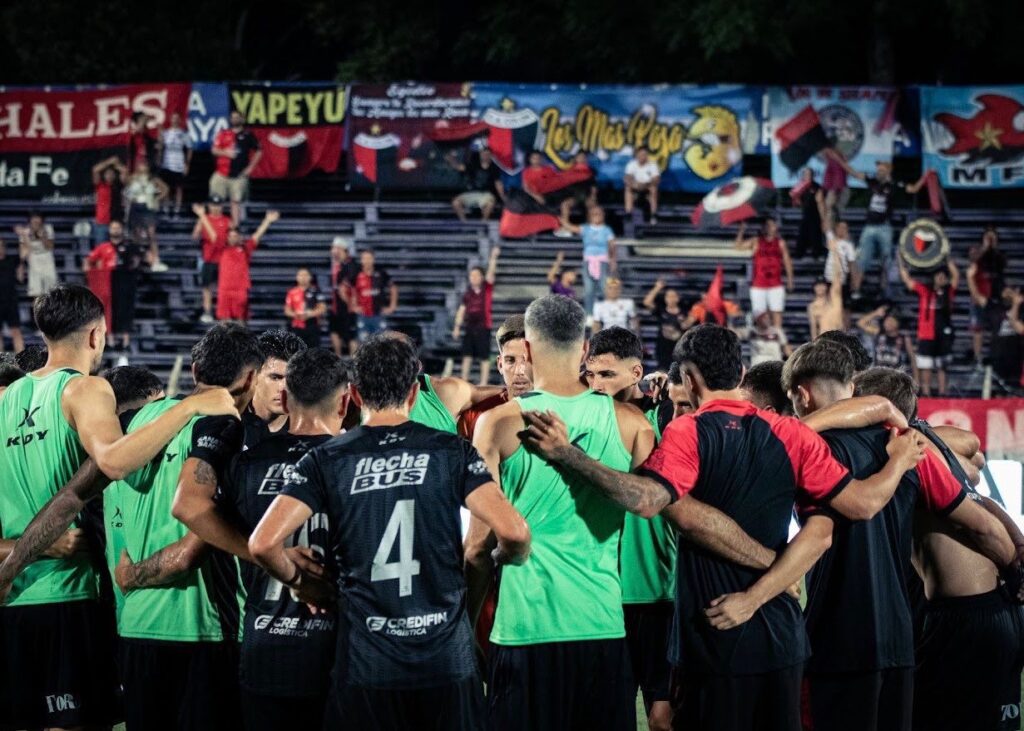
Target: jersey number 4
x,y
401,527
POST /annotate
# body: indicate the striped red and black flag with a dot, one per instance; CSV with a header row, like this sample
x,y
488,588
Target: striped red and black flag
x,y
800,138
376,155
523,216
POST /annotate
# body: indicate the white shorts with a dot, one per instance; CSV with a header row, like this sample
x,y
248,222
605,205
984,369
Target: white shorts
x,y
933,362
772,299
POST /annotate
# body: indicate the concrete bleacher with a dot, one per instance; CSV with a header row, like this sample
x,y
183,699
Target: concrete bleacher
x,y
428,252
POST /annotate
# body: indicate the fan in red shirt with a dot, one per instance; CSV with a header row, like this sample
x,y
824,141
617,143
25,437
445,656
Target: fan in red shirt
x,y
934,323
304,307
233,281
212,229
98,267
237,152
108,177
475,314
770,258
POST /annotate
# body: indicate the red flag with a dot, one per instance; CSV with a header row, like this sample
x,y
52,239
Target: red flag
x,y
936,195
713,302
523,216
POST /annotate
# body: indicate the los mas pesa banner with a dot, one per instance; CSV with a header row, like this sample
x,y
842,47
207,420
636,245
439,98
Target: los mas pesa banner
x,y
51,138
974,136
861,123
300,127
697,134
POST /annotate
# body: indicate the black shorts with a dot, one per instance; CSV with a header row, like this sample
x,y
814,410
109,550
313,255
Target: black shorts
x,y
765,702
57,666
343,325
647,630
261,712
310,334
938,348
879,700
180,685
209,273
476,343
172,178
969,663
561,685
9,314
454,707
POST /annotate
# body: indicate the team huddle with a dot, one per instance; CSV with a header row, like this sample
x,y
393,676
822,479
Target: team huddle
x,y
285,547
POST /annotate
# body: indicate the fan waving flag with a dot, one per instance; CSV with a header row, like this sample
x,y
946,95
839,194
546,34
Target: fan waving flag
x,y
800,138
713,300
736,201
524,216
549,180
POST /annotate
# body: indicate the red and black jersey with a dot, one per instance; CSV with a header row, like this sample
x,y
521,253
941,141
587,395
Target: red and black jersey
x,y
934,311
752,465
858,606
469,417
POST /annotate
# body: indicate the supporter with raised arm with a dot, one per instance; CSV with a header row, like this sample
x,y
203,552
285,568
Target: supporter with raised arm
x,y
108,179
892,347
664,303
475,314
562,280
211,229
934,323
233,281
770,260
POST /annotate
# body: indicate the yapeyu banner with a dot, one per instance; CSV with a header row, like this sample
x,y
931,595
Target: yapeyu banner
x,y
972,136
697,134
51,138
300,127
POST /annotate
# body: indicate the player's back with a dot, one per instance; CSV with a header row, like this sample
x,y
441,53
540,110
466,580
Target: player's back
x,y
41,452
393,495
429,410
570,588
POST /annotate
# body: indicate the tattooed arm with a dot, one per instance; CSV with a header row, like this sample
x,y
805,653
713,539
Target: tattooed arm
x,y
195,507
51,522
163,567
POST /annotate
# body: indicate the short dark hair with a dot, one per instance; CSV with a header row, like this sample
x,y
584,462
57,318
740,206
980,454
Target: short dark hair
x,y
280,344
132,383
32,358
556,320
223,353
315,375
514,328
9,373
861,357
765,380
66,309
820,359
891,383
618,341
675,376
386,368
715,352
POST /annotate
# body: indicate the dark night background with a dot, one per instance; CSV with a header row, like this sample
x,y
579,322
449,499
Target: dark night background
x,y
752,41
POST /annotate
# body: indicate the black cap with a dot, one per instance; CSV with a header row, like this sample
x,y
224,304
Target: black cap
x,y
216,199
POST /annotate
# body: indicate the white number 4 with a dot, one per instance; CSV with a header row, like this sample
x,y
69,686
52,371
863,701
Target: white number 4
x,y
401,527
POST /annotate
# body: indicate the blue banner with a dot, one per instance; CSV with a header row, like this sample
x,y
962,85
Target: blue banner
x,y
972,136
208,109
862,123
697,134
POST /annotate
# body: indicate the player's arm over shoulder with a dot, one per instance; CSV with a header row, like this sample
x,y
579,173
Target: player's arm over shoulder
x,y
636,432
458,395
496,435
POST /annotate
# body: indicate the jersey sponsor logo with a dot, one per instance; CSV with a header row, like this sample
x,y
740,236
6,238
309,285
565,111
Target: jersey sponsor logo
x,y
169,456
292,626
277,475
117,521
25,438
208,442
1011,711
414,626
391,438
28,420
61,702
381,473
299,446
478,467
577,441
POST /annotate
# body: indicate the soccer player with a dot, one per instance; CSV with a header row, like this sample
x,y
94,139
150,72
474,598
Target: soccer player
x,y
391,490
56,663
970,624
515,370
287,653
266,416
751,465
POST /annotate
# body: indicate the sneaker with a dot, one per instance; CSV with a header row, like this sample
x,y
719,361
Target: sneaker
x,y
563,233
654,220
206,318
122,360
158,266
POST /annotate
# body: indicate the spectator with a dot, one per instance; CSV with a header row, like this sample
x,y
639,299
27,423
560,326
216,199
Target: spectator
x,y
108,177
124,282
833,182
340,322
837,237
35,246
211,228
583,193
174,149
984,280
770,258
237,151
11,272
562,281
934,323
598,254
642,178
876,237
614,310
304,306
811,199
99,266
482,183
475,314
142,142
767,342
892,347
145,192
233,272
1007,346
827,310
664,305
373,297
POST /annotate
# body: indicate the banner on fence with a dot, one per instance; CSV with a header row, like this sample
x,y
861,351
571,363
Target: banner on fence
x,y
861,123
999,423
208,109
300,127
697,134
50,139
973,136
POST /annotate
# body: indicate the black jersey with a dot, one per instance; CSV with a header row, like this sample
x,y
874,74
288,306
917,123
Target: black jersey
x,y
286,651
392,496
256,429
